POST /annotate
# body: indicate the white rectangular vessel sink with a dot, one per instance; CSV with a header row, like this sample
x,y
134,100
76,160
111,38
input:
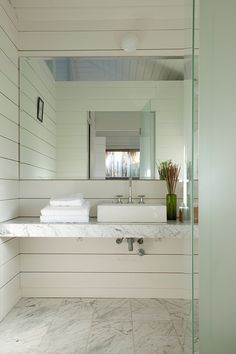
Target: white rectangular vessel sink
x,y
131,213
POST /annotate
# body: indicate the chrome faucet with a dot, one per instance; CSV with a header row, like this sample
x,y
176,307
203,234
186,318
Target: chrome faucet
x,y
130,199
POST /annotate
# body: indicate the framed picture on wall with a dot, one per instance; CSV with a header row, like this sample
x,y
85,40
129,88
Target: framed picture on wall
x,y
40,108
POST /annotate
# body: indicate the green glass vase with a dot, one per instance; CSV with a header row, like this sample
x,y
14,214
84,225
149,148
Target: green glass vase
x,y
171,205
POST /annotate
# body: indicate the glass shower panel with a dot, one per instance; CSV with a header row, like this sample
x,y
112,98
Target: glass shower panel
x,y
189,183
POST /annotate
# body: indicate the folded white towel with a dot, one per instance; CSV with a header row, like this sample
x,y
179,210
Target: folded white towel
x,y
67,211
64,219
68,200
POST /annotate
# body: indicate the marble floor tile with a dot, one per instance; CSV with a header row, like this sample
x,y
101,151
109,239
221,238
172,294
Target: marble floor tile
x,y
66,336
79,309
148,309
113,337
98,326
22,334
112,310
177,308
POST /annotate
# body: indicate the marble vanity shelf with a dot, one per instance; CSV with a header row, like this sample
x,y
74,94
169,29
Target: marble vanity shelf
x,y
31,227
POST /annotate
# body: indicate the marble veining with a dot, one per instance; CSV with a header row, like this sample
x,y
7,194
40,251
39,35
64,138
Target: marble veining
x,y
31,227
94,326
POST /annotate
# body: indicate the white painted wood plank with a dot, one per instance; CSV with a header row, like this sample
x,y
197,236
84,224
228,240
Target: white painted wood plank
x,y
8,108
32,142
9,296
8,149
101,280
34,84
10,11
9,189
140,24
98,12
31,172
105,292
35,127
35,158
9,270
101,105
9,250
8,129
102,263
9,209
102,40
8,89
101,246
95,91
92,3
8,68
8,26
8,47
8,169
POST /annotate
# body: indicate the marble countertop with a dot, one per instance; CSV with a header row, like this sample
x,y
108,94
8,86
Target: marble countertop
x,y
32,227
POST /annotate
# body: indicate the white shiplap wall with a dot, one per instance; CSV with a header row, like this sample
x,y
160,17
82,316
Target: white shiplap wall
x,y
37,140
92,267
9,184
101,268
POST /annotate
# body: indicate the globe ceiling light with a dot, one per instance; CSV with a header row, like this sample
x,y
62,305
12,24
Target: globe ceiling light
x,y
129,42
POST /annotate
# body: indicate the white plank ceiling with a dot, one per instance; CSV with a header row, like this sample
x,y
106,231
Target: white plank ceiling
x,y
117,69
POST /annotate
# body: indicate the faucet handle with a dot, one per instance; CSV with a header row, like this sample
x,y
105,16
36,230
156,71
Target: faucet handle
x,y
141,198
119,196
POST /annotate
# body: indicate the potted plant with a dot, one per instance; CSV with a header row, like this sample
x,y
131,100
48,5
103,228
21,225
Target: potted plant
x,y
169,172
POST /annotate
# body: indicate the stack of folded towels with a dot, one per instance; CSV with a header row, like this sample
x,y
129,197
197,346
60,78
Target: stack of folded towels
x,y
70,208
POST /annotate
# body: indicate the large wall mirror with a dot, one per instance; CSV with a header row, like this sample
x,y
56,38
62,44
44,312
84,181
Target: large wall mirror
x,y
100,118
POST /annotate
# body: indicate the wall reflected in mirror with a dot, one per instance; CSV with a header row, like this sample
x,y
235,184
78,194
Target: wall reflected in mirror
x,y
104,118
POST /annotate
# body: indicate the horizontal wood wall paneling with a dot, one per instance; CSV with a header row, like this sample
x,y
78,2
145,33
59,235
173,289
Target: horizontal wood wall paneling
x,y
8,88
7,67
96,189
36,128
29,111
131,263
38,140
28,171
9,209
37,159
9,250
8,47
9,156
9,129
92,3
100,246
105,90
140,24
102,280
10,11
98,105
8,169
9,295
9,270
103,292
98,12
101,40
38,144
8,26
8,149
9,189
9,109
34,81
